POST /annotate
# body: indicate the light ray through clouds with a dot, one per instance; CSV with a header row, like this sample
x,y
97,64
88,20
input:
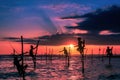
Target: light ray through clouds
x,y
50,27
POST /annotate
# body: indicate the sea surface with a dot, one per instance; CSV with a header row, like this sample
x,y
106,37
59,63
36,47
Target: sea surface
x,y
58,69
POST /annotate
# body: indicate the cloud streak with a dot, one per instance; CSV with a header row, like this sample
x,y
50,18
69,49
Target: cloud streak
x,y
56,39
66,39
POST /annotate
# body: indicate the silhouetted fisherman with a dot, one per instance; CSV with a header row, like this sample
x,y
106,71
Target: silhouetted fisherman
x,y
66,55
13,54
81,47
21,69
109,53
65,52
31,53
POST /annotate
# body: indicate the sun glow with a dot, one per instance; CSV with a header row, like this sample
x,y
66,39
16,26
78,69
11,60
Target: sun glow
x,y
71,46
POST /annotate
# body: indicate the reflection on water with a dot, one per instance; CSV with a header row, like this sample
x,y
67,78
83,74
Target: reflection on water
x,y
58,69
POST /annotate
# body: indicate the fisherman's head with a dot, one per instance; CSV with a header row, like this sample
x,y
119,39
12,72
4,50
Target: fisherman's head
x,y
107,47
31,46
79,39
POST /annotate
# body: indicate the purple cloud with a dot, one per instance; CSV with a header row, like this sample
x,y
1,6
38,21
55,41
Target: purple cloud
x,y
101,19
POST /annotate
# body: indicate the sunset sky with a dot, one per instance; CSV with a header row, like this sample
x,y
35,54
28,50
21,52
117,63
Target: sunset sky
x,y
58,23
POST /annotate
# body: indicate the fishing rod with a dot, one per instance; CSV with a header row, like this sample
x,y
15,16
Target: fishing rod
x,y
14,50
37,47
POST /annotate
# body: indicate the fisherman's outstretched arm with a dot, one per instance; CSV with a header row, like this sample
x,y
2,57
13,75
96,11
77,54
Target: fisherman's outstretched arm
x,y
61,51
76,46
35,47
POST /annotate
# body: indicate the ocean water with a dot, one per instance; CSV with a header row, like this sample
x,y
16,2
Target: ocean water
x,y
57,69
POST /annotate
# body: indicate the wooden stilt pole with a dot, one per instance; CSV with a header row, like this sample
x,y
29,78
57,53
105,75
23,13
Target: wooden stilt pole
x,y
82,60
46,55
68,56
23,75
92,56
51,55
36,54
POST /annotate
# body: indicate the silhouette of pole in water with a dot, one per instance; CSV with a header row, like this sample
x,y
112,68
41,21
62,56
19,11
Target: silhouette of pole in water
x,y
51,55
99,53
68,56
36,54
103,55
85,54
81,47
92,56
13,57
46,55
109,53
23,75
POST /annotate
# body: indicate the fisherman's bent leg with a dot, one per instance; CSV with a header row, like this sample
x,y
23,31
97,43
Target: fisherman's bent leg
x,y
34,61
